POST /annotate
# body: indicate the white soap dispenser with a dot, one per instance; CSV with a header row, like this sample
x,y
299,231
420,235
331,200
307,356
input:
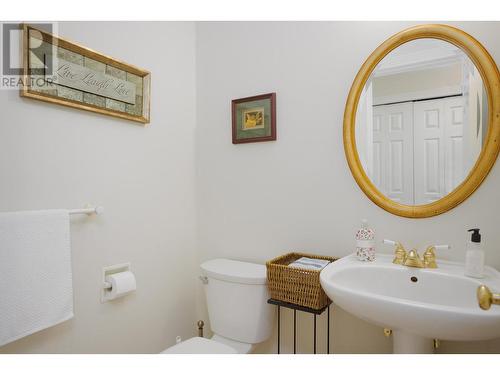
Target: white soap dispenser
x,y
474,257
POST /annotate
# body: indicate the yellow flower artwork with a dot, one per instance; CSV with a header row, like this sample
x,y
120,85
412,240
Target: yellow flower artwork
x,y
253,118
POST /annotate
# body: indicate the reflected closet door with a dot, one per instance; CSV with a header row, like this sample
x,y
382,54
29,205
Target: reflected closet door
x,y
393,151
438,147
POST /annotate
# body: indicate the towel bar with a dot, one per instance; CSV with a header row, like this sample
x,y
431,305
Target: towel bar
x,y
88,210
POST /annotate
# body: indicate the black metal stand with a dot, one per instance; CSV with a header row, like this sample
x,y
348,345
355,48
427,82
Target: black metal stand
x,y
305,309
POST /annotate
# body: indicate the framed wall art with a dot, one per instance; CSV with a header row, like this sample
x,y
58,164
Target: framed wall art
x,y
58,71
254,119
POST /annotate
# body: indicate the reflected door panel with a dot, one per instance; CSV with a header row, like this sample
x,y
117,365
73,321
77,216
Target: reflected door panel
x,y
393,150
429,151
455,169
438,145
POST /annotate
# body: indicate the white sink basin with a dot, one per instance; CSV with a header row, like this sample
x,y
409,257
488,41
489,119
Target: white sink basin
x,y
440,303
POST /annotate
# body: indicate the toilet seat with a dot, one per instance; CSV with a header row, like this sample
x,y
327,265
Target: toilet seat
x,y
199,345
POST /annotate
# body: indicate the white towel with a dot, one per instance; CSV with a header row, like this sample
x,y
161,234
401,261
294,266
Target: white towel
x,y
310,263
36,289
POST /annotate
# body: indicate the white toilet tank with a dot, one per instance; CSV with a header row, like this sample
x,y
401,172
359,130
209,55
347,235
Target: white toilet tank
x,y
237,300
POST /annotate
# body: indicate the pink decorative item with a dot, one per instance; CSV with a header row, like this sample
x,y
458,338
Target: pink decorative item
x,y
365,243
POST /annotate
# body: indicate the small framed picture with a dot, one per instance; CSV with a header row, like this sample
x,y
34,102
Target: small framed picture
x,y
254,118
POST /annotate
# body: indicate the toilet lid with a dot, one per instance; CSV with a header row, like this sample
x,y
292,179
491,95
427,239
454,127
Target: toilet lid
x,y
199,345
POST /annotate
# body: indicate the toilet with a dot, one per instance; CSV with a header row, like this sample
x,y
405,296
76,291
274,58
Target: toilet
x,y
239,314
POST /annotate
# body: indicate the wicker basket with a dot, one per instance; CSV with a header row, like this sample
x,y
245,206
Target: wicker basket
x,y
294,285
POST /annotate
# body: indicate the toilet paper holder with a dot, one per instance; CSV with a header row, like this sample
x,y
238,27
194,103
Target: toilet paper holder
x,y
110,270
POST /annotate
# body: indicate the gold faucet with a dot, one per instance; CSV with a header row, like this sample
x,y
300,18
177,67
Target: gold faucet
x,y
399,253
412,259
429,256
485,298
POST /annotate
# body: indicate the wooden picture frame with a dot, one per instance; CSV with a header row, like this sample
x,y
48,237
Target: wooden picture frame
x,y
254,118
116,89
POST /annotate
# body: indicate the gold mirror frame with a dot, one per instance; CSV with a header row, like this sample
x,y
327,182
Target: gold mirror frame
x,y
491,79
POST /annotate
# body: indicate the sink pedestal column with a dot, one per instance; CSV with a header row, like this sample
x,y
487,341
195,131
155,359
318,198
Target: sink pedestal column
x,y
408,343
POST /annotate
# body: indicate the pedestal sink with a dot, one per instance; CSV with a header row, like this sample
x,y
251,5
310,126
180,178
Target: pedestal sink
x,y
418,304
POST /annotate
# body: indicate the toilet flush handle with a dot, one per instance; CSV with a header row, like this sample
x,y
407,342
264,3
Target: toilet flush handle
x,y
204,279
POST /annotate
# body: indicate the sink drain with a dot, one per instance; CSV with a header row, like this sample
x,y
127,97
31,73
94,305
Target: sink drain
x,y
413,279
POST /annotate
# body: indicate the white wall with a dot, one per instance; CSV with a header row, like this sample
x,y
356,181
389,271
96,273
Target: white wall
x,y
259,200
56,157
418,84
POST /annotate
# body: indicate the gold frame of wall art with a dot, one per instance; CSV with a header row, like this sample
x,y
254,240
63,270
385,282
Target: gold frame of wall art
x,y
491,79
28,92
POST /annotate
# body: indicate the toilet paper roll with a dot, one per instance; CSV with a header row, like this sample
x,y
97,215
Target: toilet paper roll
x,y
122,283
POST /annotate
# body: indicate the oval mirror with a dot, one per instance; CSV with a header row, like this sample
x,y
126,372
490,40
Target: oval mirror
x,y
422,121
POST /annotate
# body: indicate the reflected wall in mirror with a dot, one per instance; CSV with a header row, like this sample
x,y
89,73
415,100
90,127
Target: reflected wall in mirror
x,y
422,120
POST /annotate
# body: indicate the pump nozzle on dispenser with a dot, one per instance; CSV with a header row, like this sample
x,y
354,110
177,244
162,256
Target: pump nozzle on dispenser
x,y
476,236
